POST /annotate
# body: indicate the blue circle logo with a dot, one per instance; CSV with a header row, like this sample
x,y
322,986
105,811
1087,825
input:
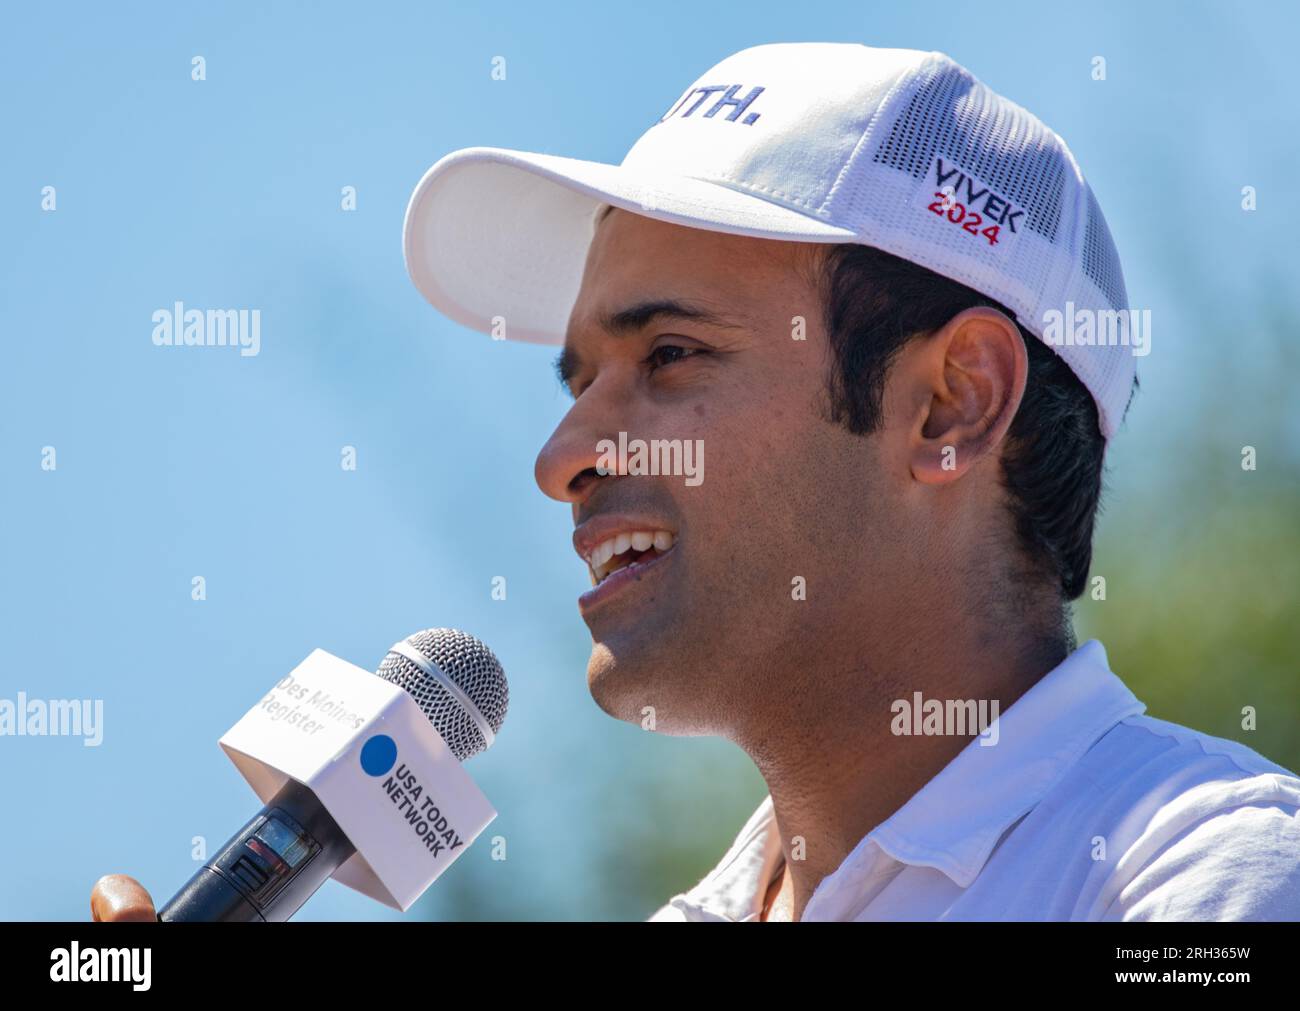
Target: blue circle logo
x,y
378,754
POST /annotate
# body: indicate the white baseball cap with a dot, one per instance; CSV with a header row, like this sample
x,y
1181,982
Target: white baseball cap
x,y
805,142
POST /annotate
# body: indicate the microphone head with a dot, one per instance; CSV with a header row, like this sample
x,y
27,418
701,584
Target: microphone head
x,y
457,682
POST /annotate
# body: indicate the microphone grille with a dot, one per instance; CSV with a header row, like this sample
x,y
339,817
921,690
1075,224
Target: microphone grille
x,y
460,686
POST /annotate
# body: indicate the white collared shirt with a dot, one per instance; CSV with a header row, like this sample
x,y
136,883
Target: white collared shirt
x,y
1084,809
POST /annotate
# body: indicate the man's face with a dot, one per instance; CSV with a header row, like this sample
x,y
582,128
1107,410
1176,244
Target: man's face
x,y
784,546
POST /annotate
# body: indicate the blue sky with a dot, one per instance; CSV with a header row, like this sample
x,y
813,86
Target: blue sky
x,y
175,462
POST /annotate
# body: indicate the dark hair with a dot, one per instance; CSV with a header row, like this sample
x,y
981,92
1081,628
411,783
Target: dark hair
x,y
874,303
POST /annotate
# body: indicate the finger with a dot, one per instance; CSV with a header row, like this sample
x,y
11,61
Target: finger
x,y
117,898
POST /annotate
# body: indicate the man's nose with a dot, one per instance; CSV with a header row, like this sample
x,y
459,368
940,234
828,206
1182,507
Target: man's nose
x,y
566,466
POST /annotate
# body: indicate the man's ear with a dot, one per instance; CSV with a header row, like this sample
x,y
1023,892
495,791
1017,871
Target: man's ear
x,y
969,380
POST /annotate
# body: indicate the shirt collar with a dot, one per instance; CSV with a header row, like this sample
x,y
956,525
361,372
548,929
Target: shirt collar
x,y
735,889
955,820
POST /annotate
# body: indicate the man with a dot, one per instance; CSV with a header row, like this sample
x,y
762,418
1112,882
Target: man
x,y
838,270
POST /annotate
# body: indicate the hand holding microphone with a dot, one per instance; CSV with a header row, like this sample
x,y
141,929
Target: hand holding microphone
x,y
341,731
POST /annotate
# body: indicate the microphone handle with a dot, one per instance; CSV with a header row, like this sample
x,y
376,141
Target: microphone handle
x,y
269,868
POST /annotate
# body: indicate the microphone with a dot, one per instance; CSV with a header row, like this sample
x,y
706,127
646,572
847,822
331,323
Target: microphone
x,y
277,861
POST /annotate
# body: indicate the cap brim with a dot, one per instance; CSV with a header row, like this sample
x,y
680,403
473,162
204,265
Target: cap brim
x,y
497,234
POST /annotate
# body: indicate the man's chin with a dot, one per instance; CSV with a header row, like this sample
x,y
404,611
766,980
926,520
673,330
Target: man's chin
x,y
649,687
614,685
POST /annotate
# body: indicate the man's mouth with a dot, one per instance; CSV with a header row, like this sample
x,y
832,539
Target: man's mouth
x,y
627,549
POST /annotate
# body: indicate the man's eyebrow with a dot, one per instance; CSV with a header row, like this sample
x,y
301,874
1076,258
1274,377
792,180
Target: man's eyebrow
x,y
642,314
638,316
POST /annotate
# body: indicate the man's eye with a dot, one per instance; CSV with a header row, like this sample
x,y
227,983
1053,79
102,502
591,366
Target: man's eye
x,y
666,354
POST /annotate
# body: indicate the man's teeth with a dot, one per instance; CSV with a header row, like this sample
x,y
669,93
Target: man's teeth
x,y
613,554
